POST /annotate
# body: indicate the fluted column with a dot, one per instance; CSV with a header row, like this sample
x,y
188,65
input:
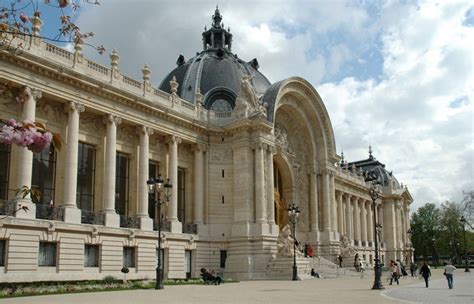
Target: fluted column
x,y
363,221
25,156
314,201
146,223
356,215
340,214
70,174
333,204
370,221
349,230
270,186
260,203
112,218
198,184
173,142
326,202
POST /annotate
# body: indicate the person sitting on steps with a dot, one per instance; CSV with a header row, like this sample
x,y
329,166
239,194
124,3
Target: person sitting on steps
x,y
210,278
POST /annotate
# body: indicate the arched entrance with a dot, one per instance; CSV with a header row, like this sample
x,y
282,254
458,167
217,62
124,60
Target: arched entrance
x,y
283,193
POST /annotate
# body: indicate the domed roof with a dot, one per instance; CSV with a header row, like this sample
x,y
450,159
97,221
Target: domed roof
x,y
215,71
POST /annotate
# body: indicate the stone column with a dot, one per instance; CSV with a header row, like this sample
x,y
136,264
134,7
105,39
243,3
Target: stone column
x,y
71,213
340,214
173,142
370,222
314,201
25,156
260,203
363,224
112,219
333,203
349,230
356,215
198,184
270,186
146,223
326,202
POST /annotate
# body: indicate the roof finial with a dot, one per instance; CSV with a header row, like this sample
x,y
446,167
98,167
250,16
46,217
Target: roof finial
x,y
217,18
342,158
370,152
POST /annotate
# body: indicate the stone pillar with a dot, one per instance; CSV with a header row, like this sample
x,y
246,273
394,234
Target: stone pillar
x,y
270,186
173,142
363,220
71,213
260,203
349,230
112,219
333,204
340,213
370,222
326,202
25,156
146,223
198,184
356,215
314,201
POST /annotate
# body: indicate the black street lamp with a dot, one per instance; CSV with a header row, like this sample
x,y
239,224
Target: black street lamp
x,y
293,216
466,262
157,188
374,195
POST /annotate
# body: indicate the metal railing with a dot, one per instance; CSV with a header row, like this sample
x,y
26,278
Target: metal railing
x,y
129,222
48,212
93,218
7,208
190,228
165,226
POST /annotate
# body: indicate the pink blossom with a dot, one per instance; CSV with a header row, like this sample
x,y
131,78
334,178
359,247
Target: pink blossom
x,y
42,141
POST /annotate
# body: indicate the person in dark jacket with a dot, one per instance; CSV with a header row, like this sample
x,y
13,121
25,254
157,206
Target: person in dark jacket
x,y
425,272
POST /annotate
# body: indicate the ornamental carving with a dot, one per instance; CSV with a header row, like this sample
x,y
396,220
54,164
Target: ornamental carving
x,y
185,152
157,145
50,111
91,123
126,134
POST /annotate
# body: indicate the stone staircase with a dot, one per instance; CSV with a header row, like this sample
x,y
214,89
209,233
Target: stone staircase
x,y
328,269
281,268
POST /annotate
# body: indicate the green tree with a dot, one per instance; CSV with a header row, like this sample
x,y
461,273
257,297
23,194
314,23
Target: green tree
x,y
451,236
425,228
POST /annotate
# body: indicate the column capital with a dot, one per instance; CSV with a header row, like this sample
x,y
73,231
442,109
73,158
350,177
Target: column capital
x,y
145,130
199,147
271,149
74,107
27,92
173,139
257,145
114,119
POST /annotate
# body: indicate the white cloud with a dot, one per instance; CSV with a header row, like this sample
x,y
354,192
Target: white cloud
x,y
406,112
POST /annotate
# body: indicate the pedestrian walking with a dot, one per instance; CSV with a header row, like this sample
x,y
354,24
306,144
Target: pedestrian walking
x,y
340,261
448,272
412,269
425,272
394,271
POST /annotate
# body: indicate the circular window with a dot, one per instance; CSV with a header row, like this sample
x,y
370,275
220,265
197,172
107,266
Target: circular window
x,y
221,105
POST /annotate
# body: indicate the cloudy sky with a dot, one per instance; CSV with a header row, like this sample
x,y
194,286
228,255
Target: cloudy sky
x,y
396,74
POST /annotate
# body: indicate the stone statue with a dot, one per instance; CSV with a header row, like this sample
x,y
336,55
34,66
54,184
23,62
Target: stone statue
x,y
346,249
285,243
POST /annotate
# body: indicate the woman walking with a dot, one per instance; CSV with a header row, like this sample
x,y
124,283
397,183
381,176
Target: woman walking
x,y
425,272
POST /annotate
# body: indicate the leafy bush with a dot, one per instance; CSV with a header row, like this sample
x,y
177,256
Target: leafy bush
x,y
109,279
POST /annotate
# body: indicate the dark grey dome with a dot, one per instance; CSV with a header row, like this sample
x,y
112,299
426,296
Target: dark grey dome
x,y
216,71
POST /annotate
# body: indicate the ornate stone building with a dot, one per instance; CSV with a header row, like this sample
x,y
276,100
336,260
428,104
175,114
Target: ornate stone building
x,y
237,149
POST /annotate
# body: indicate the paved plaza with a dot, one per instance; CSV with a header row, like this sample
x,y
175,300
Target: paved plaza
x,y
335,290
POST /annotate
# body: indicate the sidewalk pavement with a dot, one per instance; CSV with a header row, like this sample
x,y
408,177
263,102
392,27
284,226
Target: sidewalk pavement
x,y
335,290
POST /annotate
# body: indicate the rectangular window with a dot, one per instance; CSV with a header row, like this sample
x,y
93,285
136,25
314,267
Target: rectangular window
x,y
91,255
44,174
129,257
181,195
4,172
3,248
121,183
47,254
85,177
187,263
153,171
223,258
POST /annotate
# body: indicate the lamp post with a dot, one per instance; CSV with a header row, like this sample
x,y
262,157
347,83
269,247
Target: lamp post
x,y
466,262
374,195
293,216
157,187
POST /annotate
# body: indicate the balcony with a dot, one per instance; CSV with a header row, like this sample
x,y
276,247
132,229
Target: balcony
x,y
49,212
129,222
93,218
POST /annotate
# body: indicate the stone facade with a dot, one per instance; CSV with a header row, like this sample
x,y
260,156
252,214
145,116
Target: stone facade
x,y
223,215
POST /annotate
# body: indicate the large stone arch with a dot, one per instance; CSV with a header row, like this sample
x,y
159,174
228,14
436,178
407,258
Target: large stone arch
x,y
299,94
